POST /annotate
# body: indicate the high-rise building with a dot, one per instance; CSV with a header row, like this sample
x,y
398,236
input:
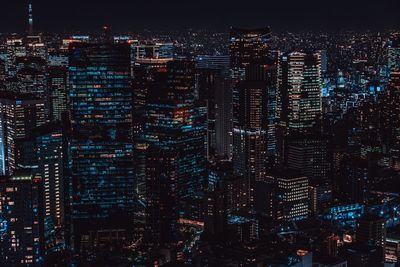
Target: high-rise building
x,y
150,50
309,154
51,160
19,114
299,98
254,123
161,209
21,220
293,200
212,76
175,129
390,99
247,46
44,153
32,77
394,55
148,75
15,48
253,72
101,148
371,231
57,91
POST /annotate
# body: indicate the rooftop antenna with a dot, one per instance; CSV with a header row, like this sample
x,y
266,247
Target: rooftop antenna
x,y
30,18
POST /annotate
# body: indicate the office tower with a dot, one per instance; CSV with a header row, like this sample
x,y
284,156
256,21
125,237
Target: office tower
x,y
213,92
254,123
35,47
265,198
101,149
161,198
15,48
176,107
32,78
394,55
234,188
19,114
392,250
175,128
57,59
390,99
148,75
299,98
371,231
309,154
215,212
21,232
362,256
292,194
320,196
151,50
324,60
44,152
2,74
57,90
353,181
51,160
246,46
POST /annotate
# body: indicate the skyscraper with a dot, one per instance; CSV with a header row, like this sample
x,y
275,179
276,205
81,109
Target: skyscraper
x,y
148,75
293,195
57,91
21,220
391,97
174,132
101,149
246,46
253,73
299,97
371,231
309,154
51,162
254,123
213,91
15,48
19,114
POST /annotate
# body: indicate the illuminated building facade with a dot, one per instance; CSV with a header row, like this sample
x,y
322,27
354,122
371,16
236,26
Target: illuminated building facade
x,y
15,48
254,123
19,114
309,154
101,149
57,91
371,230
175,135
50,161
213,91
21,220
246,46
293,195
299,98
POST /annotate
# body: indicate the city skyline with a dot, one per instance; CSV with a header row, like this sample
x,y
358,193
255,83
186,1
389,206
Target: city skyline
x,y
187,143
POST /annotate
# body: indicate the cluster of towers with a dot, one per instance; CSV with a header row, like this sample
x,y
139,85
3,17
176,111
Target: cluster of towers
x,y
114,143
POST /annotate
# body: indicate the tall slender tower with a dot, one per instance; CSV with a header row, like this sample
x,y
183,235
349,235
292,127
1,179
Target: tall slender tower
x,y
30,18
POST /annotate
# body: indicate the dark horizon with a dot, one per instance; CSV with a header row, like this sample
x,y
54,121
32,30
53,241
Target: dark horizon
x,y
74,15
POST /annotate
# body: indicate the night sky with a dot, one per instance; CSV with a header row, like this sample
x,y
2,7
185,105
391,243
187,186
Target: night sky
x,y
125,15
